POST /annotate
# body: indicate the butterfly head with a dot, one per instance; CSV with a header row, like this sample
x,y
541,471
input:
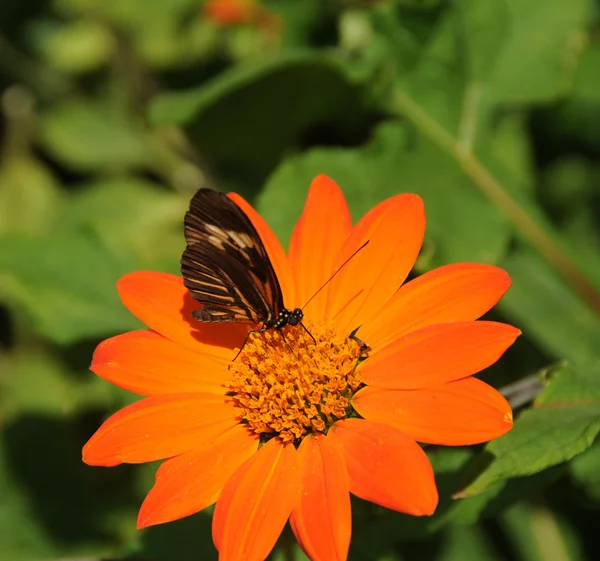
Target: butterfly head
x,y
289,317
295,316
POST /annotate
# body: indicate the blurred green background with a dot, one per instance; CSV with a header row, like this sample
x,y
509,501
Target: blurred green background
x,y
113,112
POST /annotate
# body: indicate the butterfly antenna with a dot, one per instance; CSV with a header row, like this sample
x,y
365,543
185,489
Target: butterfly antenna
x,y
334,274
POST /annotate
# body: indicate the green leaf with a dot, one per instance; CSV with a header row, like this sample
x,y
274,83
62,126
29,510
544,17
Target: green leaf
x,y
281,100
479,55
149,14
93,137
30,197
186,105
132,217
40,382
66,285
484,28
78,47
564,421
390,164
586,84
515,52
510,152
539,56
438,81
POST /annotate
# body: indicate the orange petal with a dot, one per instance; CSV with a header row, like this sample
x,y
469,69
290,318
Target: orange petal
x,y
386,467
147,363
458,292
437,354
321,519
159,427
192,481
162,302
256,503
454,414
274,249
395,230
317,240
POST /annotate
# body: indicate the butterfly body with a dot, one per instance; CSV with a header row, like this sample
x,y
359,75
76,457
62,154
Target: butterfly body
x,y
288,317
227,269
285,317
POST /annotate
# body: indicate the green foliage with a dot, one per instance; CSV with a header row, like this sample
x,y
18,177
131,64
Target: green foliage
x,y
389,164
562,423
282,98
114,112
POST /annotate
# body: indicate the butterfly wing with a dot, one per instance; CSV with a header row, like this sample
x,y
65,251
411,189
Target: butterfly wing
x,y
225,265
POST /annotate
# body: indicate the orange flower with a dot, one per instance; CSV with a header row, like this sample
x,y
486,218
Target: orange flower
x,y
289,431
230,12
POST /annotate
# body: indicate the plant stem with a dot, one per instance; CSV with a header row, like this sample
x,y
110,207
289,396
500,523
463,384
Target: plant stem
x,y
499,196
523,391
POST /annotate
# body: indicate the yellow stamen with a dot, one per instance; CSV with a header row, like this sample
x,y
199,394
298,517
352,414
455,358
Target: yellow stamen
x,y
294,389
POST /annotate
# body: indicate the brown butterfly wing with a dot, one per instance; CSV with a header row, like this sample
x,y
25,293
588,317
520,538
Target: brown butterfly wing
x,y
225,265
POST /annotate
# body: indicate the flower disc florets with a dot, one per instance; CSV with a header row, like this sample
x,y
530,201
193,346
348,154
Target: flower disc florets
x,y
294,389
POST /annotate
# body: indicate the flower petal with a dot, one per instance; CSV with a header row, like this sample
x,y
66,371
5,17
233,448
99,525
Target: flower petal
x,y
458,413
321,520
147,363
275,250
165,305
458,292
159,427
256,503
317,240
386,467
395,230
192,481
437,354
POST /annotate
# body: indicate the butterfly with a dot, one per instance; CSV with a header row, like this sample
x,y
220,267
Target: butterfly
x,y
226,268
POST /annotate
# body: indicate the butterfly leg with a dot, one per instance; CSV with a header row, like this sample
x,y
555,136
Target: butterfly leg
x,y
287,344
263,329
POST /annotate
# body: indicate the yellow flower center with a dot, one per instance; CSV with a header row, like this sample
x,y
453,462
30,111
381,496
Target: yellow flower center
x,y
292,388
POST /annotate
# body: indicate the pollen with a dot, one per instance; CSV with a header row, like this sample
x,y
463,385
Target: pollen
x,y
293,387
